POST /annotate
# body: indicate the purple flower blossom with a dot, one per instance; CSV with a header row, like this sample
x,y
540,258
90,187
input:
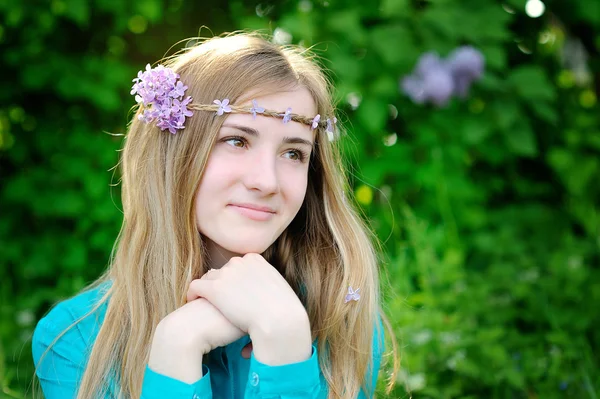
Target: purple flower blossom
x,y
160,93
435,80
426,62
223,106
330,124
178,90
466,65
315,121
352,295
330,128
256,109
287,115
413,87
466,60
439,86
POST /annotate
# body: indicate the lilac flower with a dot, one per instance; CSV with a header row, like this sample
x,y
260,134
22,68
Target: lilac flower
x,y
426,62
315,121
436,80
256,109
223,106
180,107
178,90
439,86
352,295
330,128
160,93
466,60
287,115
466,65
413,87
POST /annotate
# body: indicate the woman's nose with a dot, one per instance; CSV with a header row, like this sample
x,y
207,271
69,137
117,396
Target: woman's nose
x,y
260,173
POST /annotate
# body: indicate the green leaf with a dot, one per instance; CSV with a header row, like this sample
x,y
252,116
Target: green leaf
x,y
506,113
348,23
78,11
531,83
150,9
475,130
545,111
396,53
588,10
495,57
395,8
521,139
372,114
385,86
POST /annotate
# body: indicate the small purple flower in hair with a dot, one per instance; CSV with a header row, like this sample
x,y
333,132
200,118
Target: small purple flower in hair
x,y
330,128
223,106
315,121
287,116
352,295
256,109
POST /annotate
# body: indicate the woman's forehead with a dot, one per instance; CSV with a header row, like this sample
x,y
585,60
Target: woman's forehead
x,y
298,99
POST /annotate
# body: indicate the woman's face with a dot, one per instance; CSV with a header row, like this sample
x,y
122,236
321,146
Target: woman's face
x,y
256,177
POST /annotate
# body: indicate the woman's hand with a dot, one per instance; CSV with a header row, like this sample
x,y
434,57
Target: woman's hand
x,y
255,298
185,335
251,294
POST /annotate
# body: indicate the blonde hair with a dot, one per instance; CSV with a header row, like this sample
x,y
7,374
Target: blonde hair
x,y
159,251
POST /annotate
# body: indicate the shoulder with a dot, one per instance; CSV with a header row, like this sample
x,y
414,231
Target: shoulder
x,y
62,317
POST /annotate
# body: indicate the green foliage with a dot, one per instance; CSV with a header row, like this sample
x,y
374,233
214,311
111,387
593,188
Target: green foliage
x,y
488,208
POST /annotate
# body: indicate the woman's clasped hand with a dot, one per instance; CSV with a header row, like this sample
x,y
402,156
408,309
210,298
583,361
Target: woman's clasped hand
x,y
247,295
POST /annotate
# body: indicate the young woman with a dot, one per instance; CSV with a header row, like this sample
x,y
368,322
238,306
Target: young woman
x,y
241,269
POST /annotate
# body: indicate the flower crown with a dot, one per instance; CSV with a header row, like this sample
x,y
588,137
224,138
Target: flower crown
x,y
161,95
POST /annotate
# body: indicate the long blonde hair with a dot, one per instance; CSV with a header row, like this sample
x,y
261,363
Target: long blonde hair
x,y
159,251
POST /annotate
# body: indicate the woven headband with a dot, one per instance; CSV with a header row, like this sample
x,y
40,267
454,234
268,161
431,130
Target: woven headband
x,y
161,95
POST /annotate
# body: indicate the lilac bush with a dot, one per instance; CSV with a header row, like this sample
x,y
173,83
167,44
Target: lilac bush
x,y
436,80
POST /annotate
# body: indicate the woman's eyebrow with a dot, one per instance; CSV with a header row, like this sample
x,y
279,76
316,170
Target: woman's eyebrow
x,y
254,132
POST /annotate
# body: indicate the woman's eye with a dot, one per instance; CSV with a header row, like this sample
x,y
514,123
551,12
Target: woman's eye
x,y
236,142
296,155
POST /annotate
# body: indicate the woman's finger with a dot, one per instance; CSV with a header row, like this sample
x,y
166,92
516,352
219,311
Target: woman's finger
x,y
199,288
211,274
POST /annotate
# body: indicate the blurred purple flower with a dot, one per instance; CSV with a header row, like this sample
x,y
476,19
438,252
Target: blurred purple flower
x,y
413,87
435,80
466,65
438,86
467,61
330,129
426,63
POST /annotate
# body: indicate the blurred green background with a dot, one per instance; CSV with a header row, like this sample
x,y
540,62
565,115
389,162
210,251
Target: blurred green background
x,y
488,207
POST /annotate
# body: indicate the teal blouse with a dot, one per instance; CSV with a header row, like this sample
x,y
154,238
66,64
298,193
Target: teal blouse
x,y
226,374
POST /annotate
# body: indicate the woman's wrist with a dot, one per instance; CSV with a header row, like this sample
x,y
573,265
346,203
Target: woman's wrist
x,y
175,358
283,343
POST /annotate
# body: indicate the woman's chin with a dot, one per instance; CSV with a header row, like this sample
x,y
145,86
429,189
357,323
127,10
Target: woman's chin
x,y
247,247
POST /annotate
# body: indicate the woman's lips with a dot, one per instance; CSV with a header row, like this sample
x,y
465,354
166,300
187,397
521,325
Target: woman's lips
x,y
253,212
